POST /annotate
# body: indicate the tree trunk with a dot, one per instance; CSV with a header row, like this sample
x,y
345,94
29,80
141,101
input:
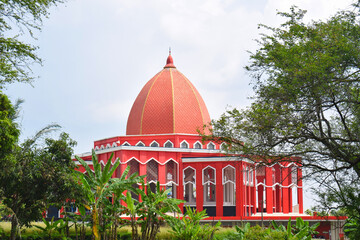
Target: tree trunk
x,y
14,226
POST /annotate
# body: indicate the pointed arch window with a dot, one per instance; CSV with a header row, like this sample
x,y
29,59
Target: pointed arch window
x,y
209,183
229,182
154,144
189,185
197,145
152,171
134,168
184,144
168,144
140,144
171,178
211,146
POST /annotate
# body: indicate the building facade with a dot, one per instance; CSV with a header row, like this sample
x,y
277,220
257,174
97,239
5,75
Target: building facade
x,y
162,142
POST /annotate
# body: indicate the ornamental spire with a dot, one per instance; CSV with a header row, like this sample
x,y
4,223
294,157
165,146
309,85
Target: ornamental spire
x,y
169,61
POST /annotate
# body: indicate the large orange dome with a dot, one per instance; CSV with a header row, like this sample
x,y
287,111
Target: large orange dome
x,y
168,103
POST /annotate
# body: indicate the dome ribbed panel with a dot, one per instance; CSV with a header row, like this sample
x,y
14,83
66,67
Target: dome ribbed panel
x,y
158,112
135,117
189,109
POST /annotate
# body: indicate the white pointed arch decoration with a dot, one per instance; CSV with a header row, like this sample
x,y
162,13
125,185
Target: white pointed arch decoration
x,y
102,147
126,144
229,185
114,144
97,148
140,144
108,146
184,144
154,144
209,183
223,146
189,182
171,175
168,144
197,145
211,146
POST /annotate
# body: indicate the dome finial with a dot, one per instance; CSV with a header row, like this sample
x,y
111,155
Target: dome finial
x,y
169,61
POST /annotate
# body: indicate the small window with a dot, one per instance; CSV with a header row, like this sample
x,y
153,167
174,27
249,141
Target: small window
x,y
140,144
211,146
197,145
114,145
108,146
168,144
184,144
126,144
97,148
102,147
154,144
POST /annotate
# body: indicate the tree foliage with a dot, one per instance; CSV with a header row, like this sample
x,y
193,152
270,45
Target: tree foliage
x,y
35,175
18,17
307,99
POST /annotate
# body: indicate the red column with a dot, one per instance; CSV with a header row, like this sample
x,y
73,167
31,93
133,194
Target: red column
x,y
254,192
269,192
239,190
180,189
219,191
285,189
199,188
300,191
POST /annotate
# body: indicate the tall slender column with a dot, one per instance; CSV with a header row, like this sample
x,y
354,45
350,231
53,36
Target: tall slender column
x,y
239,190
219,191
269,192
286,176
199,188
300,191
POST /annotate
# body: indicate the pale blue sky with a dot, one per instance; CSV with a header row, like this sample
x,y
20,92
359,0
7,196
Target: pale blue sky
x,y
99,53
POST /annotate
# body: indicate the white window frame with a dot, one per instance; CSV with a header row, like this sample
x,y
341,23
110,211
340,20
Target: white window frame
x,y
201,146
211,143
184,141
158,145
168,141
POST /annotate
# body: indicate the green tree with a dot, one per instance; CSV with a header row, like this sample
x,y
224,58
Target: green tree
x,y
36,175
18,17
306,103
9,131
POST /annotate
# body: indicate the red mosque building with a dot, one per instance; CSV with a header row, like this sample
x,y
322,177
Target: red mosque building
x,y
162,142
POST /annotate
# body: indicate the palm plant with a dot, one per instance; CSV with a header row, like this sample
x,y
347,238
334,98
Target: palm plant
x,y
150,212
99,187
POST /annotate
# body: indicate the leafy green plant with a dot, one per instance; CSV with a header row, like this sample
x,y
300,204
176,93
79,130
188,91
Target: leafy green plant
x,y
51,227
151,211
300,231
189,228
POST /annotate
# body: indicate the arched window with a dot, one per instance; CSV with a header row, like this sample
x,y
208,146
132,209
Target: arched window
x,y
190,186
97,148
134,168
152,174
171,178
184,144
126,144
114,145
209,183
154,144
108,146
102,147
168,144
197,145
223,147
229,182
140,144
211,146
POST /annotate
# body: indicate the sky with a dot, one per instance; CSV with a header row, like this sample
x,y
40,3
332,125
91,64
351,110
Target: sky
x,y
98,54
